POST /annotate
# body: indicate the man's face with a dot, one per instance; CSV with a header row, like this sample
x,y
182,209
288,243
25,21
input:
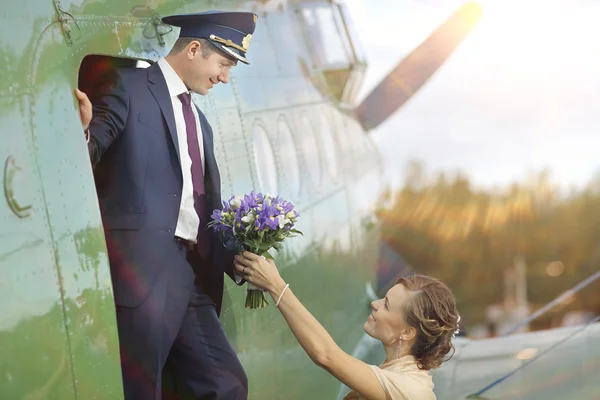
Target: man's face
x,y
203,73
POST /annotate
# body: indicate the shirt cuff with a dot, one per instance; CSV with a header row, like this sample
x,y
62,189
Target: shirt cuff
x,y
238,278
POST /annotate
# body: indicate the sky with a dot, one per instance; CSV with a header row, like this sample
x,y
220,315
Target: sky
x,y
520,94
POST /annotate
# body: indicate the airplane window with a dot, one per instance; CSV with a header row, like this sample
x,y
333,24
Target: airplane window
x,y
341,140
288,156
310,147
354,42
264,160
329,146
332,50
328,45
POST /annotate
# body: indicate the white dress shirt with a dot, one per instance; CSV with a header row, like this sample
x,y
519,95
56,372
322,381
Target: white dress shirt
x,y
188,220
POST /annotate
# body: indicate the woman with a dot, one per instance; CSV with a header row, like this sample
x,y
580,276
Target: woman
x,y
415,323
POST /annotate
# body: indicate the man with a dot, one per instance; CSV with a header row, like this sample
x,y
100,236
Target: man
x,y
157,182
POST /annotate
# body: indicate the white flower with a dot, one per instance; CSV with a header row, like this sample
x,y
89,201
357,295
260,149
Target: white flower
x,y
247,219
281,221
236,202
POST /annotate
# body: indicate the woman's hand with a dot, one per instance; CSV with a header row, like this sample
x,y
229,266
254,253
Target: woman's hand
x,y
259,271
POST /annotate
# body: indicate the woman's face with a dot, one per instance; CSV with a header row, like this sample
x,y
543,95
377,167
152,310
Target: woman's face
x,y
386,321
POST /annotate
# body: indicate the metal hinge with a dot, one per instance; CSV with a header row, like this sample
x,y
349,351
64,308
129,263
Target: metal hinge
x,y
156,28
10,169
64,19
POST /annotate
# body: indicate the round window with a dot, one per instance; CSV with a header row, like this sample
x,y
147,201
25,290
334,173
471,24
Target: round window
x,y
264,160
311,150
289,157
329,146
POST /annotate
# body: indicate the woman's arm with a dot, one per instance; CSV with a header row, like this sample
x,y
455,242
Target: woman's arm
x,y
311,335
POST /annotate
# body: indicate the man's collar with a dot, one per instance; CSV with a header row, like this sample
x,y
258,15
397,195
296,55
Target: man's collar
x,y
174,83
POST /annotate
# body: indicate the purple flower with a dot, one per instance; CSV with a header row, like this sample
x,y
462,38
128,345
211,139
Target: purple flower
x,y
255,221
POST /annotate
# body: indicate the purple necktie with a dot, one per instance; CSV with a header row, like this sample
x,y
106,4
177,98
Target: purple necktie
x,y
197,175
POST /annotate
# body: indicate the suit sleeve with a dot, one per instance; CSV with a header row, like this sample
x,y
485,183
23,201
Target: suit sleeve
x,y
110,112
228,267
223,256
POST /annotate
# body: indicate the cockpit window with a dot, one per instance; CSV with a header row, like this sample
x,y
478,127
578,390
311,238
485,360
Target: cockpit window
x,y
323,31
333,49
353,41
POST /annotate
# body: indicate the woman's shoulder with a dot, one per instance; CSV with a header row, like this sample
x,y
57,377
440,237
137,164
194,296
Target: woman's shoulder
x,y
403,380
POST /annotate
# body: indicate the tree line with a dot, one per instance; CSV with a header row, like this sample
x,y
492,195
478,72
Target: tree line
x,y
471,238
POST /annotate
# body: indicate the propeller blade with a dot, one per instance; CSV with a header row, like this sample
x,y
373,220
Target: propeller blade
x,y
415,69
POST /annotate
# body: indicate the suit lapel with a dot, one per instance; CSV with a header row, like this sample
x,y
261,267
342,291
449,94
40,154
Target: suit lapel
x,y
158,87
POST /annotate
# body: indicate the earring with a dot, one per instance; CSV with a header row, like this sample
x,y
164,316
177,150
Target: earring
x,y
399,346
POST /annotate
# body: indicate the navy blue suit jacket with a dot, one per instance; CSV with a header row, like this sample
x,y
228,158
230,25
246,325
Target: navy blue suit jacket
x,y
133,147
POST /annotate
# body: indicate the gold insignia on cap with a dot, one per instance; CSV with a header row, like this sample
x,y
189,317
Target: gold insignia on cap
x,y
246,42
230,43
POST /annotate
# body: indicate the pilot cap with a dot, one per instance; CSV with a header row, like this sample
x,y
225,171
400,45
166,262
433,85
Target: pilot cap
x,y
229,31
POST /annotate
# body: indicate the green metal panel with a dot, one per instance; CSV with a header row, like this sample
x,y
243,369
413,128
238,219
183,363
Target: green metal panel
x,y
58,337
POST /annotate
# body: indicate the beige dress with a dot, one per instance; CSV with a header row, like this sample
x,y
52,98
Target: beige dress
x,y
401,379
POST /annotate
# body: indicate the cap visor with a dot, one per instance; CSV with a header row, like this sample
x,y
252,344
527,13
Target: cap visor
x,y
233,54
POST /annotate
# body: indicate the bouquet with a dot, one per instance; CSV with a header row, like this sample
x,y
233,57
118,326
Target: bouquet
x,y
256,223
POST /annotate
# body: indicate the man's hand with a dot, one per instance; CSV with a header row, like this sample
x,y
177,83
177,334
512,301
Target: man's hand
x,y
85,108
